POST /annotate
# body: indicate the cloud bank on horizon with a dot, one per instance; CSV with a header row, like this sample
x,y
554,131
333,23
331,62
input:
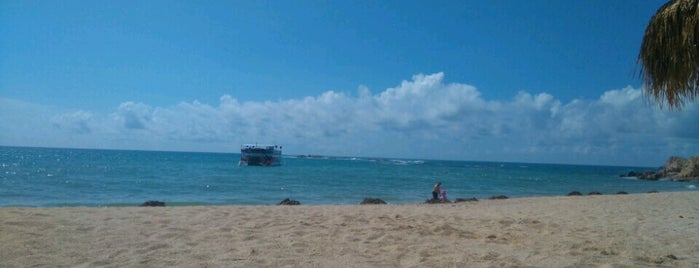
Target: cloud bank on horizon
x,y
424,118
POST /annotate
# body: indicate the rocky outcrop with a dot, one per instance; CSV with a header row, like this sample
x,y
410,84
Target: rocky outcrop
x,y
691,170
676,168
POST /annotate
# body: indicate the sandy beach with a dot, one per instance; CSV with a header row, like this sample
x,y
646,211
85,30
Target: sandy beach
x,y
638,230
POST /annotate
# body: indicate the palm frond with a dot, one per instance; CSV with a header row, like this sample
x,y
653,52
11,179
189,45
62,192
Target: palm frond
x,y
669,55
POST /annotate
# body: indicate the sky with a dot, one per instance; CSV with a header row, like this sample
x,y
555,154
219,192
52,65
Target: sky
x,y
510,81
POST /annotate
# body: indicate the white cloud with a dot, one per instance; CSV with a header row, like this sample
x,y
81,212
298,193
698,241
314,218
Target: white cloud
x,y
77,121
420,118
133,115
621,97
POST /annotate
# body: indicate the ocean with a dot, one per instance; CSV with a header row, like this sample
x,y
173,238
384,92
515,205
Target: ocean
x,y
79,177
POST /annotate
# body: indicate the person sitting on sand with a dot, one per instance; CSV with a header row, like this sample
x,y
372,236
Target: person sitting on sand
x,y
435,191
443,196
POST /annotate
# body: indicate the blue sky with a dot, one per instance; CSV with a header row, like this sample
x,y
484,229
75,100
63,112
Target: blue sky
x,y
526,81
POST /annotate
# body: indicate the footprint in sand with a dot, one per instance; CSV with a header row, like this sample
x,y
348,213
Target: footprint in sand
x,y
491,256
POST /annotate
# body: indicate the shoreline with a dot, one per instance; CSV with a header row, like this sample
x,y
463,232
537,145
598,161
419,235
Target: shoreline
x,y
646,230
358,201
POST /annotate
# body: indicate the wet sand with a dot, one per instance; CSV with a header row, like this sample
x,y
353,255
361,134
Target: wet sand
x,y
637,230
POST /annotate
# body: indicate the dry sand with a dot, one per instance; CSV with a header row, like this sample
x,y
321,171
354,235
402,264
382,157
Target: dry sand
x,y
655,230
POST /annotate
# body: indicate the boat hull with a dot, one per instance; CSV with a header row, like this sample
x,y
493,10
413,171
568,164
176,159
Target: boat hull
x,y
260,155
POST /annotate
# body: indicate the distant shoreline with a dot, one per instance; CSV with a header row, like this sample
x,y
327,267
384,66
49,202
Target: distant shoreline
x,y
424,202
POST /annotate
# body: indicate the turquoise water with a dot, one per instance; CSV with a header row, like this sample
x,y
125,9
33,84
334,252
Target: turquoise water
x,y
75,177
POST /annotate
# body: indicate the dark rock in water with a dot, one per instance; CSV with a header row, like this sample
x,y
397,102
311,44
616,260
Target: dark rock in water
x,y
594,193
499,197
153,203
645,175
459,200
372,201
631,174
650,175
652,192
289,202
622,192
574,193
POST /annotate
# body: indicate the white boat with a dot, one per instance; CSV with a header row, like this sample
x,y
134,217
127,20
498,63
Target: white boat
x,y
260,155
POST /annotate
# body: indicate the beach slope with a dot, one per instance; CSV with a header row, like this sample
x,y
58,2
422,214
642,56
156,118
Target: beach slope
x,y
637,230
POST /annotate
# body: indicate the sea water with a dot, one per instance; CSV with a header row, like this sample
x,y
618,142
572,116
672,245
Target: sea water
x,y
78,177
